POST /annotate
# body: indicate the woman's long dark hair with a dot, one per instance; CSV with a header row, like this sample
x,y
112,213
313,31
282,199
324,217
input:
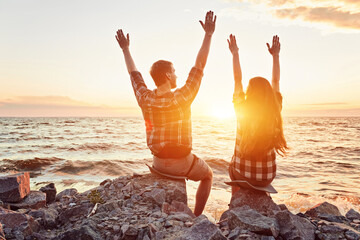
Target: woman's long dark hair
x,y
261,125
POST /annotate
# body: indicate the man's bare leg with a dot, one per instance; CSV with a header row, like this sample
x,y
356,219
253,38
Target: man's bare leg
x,y
202,194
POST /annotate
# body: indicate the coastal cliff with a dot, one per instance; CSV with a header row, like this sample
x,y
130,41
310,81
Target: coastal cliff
x,y
151,207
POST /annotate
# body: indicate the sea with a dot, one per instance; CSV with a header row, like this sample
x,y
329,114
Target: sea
x,y
322,163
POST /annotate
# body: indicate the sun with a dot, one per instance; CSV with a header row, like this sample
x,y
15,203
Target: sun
x,y
222,112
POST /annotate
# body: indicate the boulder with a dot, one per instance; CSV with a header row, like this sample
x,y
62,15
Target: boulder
x,y
352,215
177,206
157,196
256,200
74,212
351,235
334,230
34,200
129,232
18,222
293,227
48,217
180,217
323,209
50,192
66,192
203,230
175,190
13,188
249,219
85,231
2,234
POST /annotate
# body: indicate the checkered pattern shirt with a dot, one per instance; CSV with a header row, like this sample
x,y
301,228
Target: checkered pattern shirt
x,y
260,168
167,117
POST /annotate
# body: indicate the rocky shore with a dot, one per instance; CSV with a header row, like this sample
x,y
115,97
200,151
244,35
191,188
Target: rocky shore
x,y
150,207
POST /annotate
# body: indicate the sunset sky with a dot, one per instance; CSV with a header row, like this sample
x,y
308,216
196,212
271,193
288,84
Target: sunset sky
x,y
60,58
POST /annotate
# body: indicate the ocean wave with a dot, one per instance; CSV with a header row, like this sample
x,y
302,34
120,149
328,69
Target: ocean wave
x,y
35,164
99,168
91,147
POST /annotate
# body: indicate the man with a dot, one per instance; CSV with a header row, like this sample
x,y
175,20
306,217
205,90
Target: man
x,y
167,114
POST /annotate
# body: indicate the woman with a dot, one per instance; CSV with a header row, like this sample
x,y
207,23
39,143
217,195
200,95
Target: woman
x,y
259,124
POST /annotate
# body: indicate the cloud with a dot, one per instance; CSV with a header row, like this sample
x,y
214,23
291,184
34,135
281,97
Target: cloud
x,y
325,104
330,15
341,14
59,106
43,100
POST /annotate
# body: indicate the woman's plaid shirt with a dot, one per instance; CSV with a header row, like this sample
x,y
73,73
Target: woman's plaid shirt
x,y
262,168
167,117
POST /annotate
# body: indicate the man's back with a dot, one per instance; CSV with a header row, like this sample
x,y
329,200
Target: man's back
x,y
168,116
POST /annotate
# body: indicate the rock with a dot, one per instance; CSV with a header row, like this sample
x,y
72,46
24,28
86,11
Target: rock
x,y
48,217
66,192
323,208
2,234
234,233
157,196
110,206
177,206
283,207
204,230
267,238
83,232
50,192
351,235
352,215
18,221
129,232
200,218
247,218
256,200
180,216
334,230
34,200
107,181
293,227
73,212
332,218
174,189
13,188
331,232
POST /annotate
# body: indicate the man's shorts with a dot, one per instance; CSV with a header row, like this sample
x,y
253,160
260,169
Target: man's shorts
x,y
190,166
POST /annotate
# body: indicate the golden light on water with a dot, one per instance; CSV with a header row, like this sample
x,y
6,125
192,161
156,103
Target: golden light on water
x,y
222,112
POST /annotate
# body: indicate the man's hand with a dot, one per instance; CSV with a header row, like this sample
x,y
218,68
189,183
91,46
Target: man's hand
x,y
123,41
232,44
209,26
275,48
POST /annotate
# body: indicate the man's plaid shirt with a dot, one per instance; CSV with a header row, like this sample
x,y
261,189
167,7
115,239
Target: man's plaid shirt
x,y
167,117
260,168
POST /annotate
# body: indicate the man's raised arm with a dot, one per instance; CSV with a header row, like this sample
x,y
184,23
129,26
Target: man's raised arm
x,y
124,43
137,81
209,27
274,50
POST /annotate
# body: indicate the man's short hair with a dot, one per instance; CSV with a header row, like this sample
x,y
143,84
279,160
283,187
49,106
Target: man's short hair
x,y
158,71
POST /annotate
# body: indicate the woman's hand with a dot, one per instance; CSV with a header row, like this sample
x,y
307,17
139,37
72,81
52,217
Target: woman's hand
x,y
232,44
275,48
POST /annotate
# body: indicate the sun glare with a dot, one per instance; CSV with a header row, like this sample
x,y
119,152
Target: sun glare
x,y
222,112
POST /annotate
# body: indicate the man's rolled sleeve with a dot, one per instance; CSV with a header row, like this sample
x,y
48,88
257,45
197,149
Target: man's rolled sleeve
x,y
138,85
189,91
